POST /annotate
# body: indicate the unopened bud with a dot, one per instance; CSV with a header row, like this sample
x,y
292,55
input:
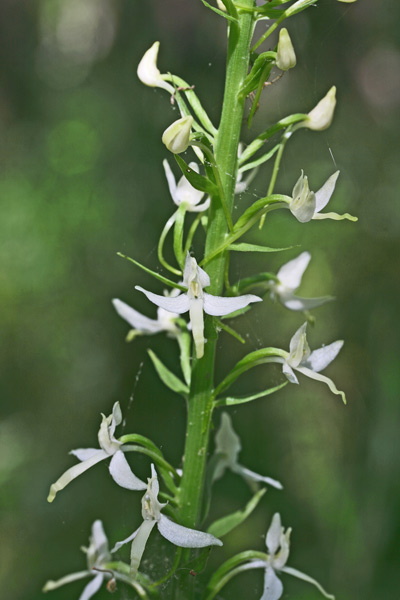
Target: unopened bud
x,y
321,115
221,5
348,1
285,56
177,136
148,72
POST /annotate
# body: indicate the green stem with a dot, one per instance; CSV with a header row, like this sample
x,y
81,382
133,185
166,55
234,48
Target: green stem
x,y
200,402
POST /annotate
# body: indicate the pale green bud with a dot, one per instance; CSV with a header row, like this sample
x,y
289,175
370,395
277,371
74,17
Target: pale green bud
x,y
177,136
285,56
321,115
148,71
221,5
348,1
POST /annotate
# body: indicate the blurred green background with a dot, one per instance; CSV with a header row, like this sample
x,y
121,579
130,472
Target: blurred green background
x,y
81,178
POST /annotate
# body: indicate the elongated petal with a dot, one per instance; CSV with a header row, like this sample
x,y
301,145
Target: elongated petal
x,y
139,544
319,377
53,585
178,305
305,577
218,306
135,318
74,472
248,474
85,453
185,537
92,587
324,194
291,273
321,358
297,303
99,540
335,216
273,588
289,373
171,180
273,537
121,473
201,207
197,323
119,545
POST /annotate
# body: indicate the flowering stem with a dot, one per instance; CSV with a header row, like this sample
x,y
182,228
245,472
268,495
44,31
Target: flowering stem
x,y
200,404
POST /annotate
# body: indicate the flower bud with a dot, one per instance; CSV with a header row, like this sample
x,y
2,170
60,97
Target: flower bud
x,y
285,56
148,72
321,115
221,5
348,1
177,136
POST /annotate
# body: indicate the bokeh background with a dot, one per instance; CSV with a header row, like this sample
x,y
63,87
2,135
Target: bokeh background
x,y
81,178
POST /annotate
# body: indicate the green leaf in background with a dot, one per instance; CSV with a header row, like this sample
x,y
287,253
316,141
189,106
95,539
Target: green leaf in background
x,y
167,377
255,248
231,401
226,524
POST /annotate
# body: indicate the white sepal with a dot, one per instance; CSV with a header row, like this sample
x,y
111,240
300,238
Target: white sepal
x,y
121,472
321,358
324,194
219,306
179,304
92,587
184,536
273,536
273,588
291,273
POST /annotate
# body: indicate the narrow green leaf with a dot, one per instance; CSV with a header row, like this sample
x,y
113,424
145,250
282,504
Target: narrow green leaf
x,y
230,401
253,359
163,280
255,248
226,524
231,8
167,377
258,75
229,330
259,161
257,207
220,12
199,182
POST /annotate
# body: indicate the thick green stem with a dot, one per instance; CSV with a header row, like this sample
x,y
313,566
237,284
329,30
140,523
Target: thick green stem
x,y
200,399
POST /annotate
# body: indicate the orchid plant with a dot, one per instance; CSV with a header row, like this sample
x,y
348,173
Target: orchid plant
x,y
177,497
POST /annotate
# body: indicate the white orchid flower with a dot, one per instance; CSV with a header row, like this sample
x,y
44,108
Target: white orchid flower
x,y
196,301
306,205
148,72
321,116
228,447
174,533
289,279
183,193
97,555
142,325
301,359
278,545
109,448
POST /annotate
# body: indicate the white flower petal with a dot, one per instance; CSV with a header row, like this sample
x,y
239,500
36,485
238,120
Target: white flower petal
x,y
119,545
227,442
178,305
273,588
185,192
321,358
121,473
317,376
248,474
74,472
201,207
273,537
197,323
298,348
185,537
291,273
305,577
135,318
99,539
85,453
53,585
289,373
92,587
148,72
293,302
170,179
139,544
218,306
324,194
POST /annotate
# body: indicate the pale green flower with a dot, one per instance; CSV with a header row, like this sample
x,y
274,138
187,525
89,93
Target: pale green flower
x,y
288,280
285,56
227,449
321,116
278,545
196,301
110,447
97,555
148,72
306,205
177,136
174,533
